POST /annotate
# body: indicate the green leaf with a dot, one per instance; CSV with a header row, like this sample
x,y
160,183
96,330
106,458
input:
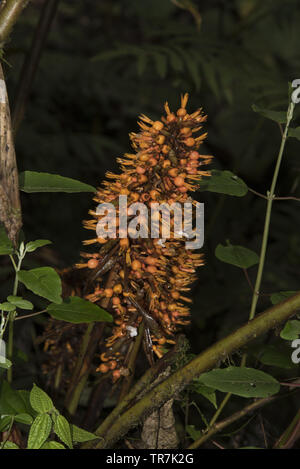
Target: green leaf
x,y
236,255
80,436
5,421
24,418
245,382
5,363
62,430
31,181
19,302
43,281
194,434
40,401
33,245
13,402
205,391
294,133
39,431
281,296
274,355
160,64
6,246
52,445
291,330
77,310
7,306
277,116
9,445
223,182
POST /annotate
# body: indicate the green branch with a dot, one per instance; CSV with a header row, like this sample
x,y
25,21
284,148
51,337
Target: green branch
x,y
8,17
207,360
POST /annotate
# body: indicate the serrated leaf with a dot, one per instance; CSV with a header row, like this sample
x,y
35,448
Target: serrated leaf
x,y
245,382
33,245
24,418
32,181
291,330
81,436
39,431
62,430
43,281
6,246
40,401
277,116
78,310
19,302
223,182
281,296
236,255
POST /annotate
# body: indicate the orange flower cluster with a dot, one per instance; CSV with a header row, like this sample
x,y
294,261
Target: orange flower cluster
x,y
148,280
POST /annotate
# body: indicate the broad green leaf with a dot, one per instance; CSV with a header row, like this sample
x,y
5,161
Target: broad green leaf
x,y
5,421
274,355
31,181
245,382
24,418
5,363
6,246
281,296
13,402
205,391
77,310
62,430
236,255
194,434
7,306
33,245
43,281
277,116
80,436
39,431
223,182
9,445
52,445
294,133
40,401
291,330
19,302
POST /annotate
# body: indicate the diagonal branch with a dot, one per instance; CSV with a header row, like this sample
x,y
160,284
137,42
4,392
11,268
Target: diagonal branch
x,y
154,399
9,14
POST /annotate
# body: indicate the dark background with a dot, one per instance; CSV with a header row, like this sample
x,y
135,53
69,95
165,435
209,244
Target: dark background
x,y
104,63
